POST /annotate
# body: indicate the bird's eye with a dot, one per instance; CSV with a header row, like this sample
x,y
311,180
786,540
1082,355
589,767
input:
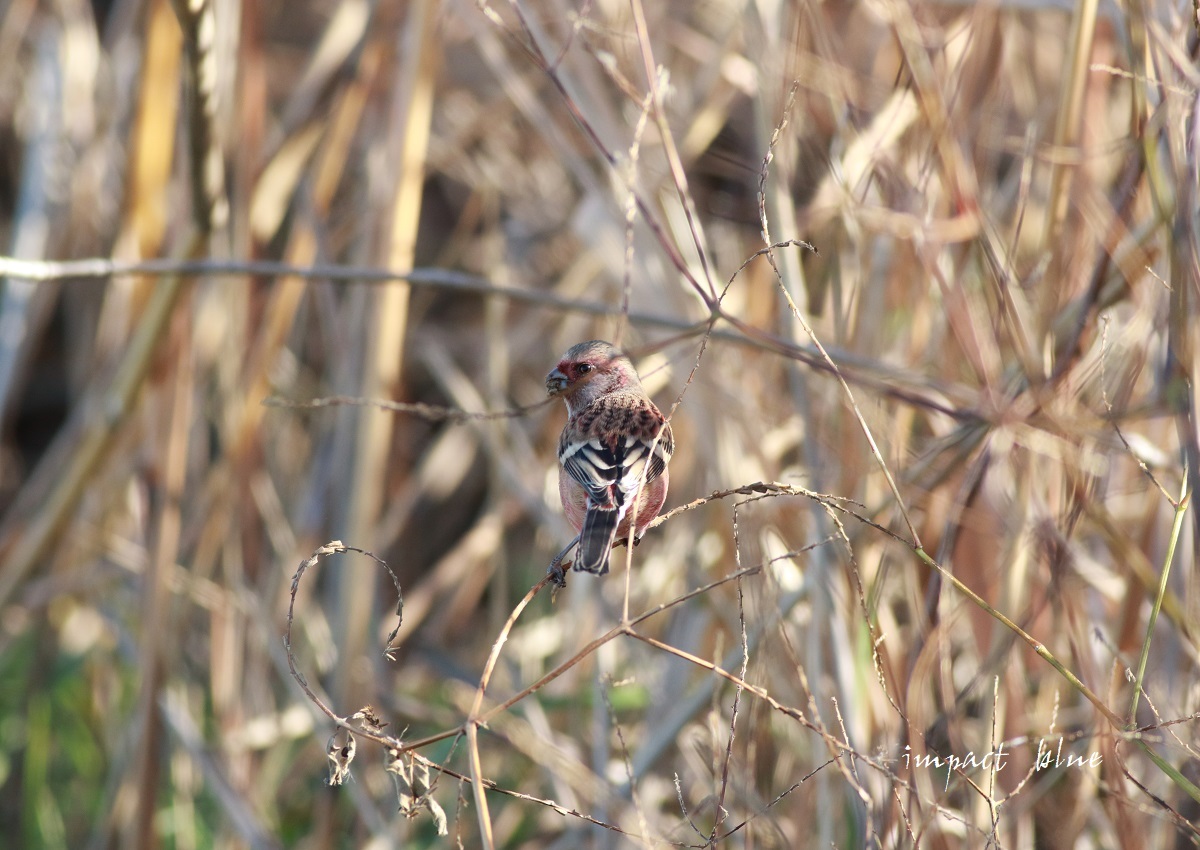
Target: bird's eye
x,y
584,368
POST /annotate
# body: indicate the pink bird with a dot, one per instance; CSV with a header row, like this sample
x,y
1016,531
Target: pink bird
x,y
614,453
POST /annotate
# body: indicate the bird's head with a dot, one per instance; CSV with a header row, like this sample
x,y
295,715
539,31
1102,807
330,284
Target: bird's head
x,y
589,370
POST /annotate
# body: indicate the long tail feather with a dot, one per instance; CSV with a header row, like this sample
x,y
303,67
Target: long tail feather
x,y
596,539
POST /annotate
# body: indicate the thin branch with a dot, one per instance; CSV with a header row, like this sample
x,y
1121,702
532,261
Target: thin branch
x,y
867,372
421,410
812,335
721,814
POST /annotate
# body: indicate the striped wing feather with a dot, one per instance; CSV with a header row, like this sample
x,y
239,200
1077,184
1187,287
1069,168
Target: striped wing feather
x,y
607,453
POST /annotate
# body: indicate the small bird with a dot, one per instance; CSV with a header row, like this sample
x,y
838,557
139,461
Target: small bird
x,y
614,453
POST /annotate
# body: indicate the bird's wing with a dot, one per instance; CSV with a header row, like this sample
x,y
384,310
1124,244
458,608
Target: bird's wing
x,y
606,450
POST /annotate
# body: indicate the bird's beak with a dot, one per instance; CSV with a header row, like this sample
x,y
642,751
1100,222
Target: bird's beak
x,y
556,382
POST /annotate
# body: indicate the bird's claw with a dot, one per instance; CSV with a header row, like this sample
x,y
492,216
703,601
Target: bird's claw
x,y
557,572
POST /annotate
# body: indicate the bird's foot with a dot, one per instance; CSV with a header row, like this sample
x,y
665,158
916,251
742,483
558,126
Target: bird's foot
x,y
557,572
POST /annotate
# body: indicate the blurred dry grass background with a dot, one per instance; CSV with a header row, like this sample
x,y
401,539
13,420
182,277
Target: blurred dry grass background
x,y
1003,198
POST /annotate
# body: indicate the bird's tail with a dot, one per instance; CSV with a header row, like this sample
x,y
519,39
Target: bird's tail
x,y
596,539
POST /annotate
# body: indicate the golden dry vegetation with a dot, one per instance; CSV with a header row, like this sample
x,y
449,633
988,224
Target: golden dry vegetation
x,y
286,273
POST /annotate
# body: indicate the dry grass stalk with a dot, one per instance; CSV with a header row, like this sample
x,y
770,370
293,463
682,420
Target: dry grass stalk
x,y
977,537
